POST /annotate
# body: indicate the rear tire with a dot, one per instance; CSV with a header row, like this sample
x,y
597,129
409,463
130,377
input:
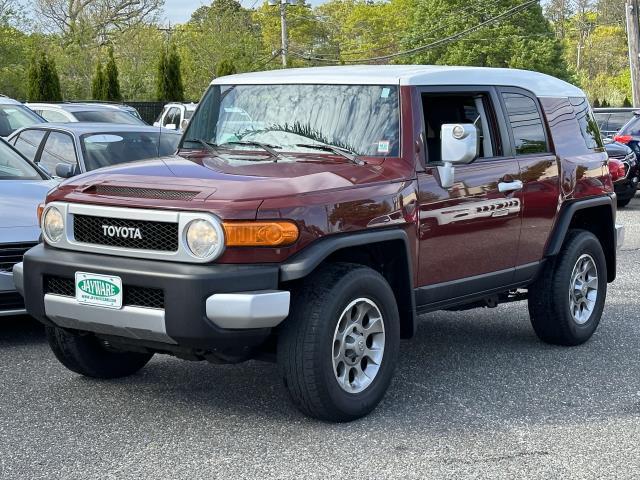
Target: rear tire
x,y
89,356
566,301
338,348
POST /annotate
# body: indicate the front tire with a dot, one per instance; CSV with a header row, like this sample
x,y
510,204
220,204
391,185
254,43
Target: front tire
x,y
566,301
90,356
338,348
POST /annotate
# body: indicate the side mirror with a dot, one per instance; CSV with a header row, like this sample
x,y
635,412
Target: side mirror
x,y
460,145
170,126
65,170
184,124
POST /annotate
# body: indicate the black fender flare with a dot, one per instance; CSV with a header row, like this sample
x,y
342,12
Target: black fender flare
x,y
307,260
566,214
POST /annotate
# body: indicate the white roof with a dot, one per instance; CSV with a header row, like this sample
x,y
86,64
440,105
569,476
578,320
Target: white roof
x,y
4,100
428,75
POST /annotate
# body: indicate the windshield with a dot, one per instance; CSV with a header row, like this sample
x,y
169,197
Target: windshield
x,y
104,149
107,116
13,166
13,117
363,119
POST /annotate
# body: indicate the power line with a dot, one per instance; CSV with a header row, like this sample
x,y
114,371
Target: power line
x,y
472,8
450,39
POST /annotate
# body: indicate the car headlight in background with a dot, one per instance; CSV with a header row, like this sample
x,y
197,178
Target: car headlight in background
x,y
204,239
53,224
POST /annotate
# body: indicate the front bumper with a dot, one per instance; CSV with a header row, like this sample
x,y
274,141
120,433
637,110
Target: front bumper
x,y
206,307
10,301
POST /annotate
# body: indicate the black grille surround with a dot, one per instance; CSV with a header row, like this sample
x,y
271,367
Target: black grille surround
x,y
159,236
12,253
139,192
11,301
133,296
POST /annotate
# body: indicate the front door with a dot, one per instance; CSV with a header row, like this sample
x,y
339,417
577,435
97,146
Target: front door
x,y
469,233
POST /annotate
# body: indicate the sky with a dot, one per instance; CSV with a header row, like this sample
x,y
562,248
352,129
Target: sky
x,y
179,11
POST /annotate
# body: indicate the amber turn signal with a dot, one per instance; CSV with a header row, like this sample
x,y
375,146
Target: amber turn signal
x,y
40,211
260,234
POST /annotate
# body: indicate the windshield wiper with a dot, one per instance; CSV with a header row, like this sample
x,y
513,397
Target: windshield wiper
x,y
343,152
265,146
207,145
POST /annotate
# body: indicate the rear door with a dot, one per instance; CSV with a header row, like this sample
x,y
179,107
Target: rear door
x,y
469,233
538,172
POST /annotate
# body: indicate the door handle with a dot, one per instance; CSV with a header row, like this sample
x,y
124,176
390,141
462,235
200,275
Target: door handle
x,y
505,187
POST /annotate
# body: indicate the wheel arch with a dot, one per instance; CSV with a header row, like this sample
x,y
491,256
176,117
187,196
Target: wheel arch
x,y
386,251
596,215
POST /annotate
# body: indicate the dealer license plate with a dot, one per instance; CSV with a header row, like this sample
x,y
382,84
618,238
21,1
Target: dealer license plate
x,y
99,290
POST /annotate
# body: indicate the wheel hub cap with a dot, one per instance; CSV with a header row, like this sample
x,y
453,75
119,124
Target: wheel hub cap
x,y
358,345
583,292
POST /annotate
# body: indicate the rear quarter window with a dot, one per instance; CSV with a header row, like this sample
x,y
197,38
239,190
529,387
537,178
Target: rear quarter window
x,y
588,125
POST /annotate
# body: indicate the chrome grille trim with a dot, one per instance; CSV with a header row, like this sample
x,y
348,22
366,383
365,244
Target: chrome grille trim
x,y
183,254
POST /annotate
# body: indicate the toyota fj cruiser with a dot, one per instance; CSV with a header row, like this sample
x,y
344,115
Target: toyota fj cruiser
x,y
311,214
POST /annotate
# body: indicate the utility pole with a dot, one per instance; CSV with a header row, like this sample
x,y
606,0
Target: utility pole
x,y
284,50
633,35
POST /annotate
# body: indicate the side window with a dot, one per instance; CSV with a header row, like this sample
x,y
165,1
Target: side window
x,y
172,117
53,116
476,108
588,125
526,124
28,143
58,148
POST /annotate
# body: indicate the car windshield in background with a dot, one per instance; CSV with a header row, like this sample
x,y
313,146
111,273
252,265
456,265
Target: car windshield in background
x,y
363,119
13,117
104,149
107,116
14,167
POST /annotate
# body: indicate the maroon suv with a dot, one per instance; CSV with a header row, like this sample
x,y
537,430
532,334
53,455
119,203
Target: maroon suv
x,y
310,215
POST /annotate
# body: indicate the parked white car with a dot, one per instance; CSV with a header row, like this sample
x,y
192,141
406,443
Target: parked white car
x,y
68,112
176,116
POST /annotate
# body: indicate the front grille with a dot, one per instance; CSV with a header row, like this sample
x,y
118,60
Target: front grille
x,y
60,286
12,253
143,297
161,236
133,296
11,301
136,192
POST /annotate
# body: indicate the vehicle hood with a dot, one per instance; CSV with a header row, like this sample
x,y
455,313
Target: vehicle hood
x,y
19,201
617,150
214,183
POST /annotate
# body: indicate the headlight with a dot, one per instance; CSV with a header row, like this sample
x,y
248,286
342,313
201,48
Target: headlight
x,y
204,239
53,225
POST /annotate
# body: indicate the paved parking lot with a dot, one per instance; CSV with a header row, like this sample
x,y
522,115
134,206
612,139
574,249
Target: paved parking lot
x,y
476,395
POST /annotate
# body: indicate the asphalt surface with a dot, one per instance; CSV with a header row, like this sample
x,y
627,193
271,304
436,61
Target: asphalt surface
x,y
476,395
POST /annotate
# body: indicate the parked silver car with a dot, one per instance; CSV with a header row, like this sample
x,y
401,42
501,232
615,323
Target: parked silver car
x,y
22,188
67,149
14,115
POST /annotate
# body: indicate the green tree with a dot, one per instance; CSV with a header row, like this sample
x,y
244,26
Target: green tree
x,y
225,67
99,84
112,92
43,80
524,40
223,30
169,84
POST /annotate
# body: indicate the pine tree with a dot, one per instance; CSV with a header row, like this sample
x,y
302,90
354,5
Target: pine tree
x,y
626,103
99,84
43,80
225,67
596,103
169,83
112,84
33,81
